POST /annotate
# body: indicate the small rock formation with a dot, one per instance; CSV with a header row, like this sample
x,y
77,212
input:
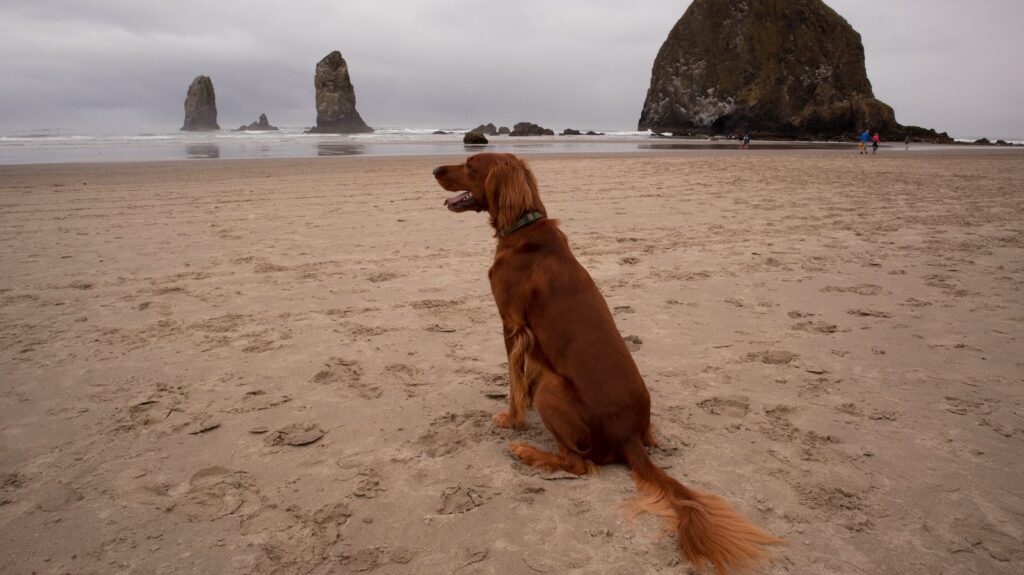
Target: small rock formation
x,y
983,142
572,132
200,106
504,131
473,138
261,125
919,134
336,98
528,129
792,69
439,132
486,129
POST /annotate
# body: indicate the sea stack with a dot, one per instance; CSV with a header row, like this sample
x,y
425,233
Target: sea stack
x,y
783,68
260,125
200,106
336,98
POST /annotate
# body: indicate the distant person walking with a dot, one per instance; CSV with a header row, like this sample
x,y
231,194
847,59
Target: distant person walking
x,y
864,142
874,143
906,144
746,141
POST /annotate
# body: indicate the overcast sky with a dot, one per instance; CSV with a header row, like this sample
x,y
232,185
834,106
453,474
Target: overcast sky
x,y
125,64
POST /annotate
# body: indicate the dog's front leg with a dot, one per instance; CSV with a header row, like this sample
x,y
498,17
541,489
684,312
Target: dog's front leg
x,y
518,343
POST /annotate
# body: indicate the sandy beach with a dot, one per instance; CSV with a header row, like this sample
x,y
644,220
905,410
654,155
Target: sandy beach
x,y
289,366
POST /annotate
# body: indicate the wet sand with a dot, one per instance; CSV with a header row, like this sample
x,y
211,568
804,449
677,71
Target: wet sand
x,y
289,366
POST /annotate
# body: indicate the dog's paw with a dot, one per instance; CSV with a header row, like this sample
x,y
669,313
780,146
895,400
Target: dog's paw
x,y
522,451
505,419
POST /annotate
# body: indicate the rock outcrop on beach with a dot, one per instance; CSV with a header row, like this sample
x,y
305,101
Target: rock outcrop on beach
x,y
774,68
573,132
261,125
336,98
473,137
528,129
486,129
504,131
200,106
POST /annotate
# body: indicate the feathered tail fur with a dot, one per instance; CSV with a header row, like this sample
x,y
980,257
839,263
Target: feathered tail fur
x,y
710,531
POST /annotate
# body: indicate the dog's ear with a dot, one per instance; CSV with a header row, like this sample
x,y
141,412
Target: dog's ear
x,y
531,181
511,189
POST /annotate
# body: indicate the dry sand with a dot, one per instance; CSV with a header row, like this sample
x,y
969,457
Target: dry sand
x,y
832,342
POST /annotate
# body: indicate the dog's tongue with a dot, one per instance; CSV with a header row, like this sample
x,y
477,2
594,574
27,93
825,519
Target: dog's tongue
x,y
462,198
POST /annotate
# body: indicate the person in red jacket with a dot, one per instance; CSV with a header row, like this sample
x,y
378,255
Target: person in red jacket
x,y
874,143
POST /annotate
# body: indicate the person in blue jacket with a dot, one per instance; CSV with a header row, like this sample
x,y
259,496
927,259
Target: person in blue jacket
x,y
864,138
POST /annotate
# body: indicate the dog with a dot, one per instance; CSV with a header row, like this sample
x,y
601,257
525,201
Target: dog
x,y
567,359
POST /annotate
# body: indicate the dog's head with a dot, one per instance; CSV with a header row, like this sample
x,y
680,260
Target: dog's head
x,y
501,184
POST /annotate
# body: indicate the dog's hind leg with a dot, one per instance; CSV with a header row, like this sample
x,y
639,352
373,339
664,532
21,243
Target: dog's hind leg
x,y
561,416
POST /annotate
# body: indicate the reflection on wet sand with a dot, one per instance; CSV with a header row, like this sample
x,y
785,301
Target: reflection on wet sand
x,y
202,151
339,149
735,145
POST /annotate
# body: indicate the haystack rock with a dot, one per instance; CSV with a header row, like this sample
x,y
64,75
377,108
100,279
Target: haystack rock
x,y
336,98
200,106
785,68
473,137
261,125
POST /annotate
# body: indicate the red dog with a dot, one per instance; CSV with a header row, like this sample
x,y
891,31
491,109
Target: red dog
x,y
566,356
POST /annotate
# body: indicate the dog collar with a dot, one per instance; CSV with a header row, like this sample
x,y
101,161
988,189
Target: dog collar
x,y
522,222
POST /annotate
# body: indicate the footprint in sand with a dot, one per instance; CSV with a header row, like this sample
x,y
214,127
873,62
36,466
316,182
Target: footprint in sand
x,y
732,406
452,432
815,327
361,560
862,289
296,435
459,499
58,498
336,514
268,268
633,343
434,305
850,408
380,277
369,484
258,400
830,499
9,483
346,372
914,302
772,357
869,313
410,377
149,412
216,492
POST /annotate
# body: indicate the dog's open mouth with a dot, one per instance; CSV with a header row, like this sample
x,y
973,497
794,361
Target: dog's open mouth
x,y
462,202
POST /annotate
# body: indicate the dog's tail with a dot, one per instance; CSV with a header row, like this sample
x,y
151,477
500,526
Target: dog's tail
x,y
710,531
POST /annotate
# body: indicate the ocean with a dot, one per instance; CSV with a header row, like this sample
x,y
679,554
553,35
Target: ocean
x,y
52,146
55,146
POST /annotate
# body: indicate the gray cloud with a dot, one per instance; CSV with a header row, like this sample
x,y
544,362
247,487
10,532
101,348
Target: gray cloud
x,y
83,64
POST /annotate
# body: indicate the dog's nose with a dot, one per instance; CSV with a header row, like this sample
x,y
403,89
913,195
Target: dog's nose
x,y
438,170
